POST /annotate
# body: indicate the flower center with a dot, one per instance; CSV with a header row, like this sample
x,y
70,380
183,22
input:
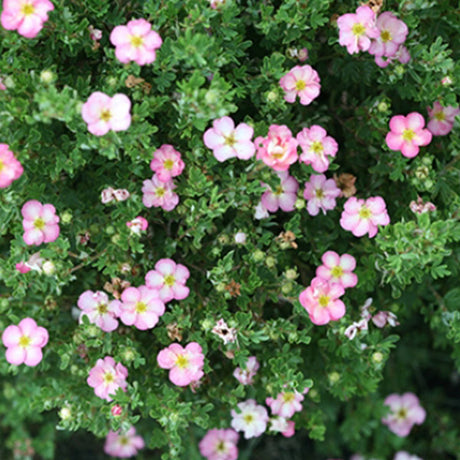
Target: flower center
x,y
317,147
323,300
440,116
385,35
169,280
24,341
105,115
181,361
136,41
39,223
276,150
102,308
337,271
365,212
230,140
358,29
160,191
319,193
278,191
408,135
109,377
288,397
168,164
402,413
27,9
123,440
248,418
141,307
2,165
220,447
300,85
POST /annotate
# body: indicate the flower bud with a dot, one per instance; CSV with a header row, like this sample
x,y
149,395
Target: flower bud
x,y
377,357
383,106
270,262
299,204
47,77
286,288
291,274
66,217
272,96
258,255
116,410
49,268
65,413
128,354
334,377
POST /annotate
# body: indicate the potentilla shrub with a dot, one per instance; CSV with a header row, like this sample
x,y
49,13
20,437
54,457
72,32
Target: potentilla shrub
x,y
229,229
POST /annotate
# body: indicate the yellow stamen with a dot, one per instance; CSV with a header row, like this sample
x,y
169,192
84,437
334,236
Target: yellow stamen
x,y
337,271
108,377
169,280
27,9
358,29
136,41
323,301
2,165
440,116
160,191
408,135
24,341
102,308
365,212
385,35
317,147
248,418
300,85
319,193
141,307
39,223
168,164
288,397
105,115
230,140
181,361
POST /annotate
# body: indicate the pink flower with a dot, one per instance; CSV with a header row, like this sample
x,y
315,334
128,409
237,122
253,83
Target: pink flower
x,y
403,455
290,431
419,206
321,300
167,163
405,412
138,225
106,377
24,342
99,310
109,194
320,194
123,445
284,196
185,364
27,16
392,34
169,279
10,168
136,41
286,404
216,3
219,444
103,113
316,147
226,333
363,216
95,34
442,119
141,307
302,81
226,141
382,318
338,269
252,419
2,86
279,149
352,330
116,410
407,134
22,267
245,376
159,194
356,30
402,55
40,223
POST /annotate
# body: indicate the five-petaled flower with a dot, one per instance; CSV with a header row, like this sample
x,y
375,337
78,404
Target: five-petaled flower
x,y
286,404
392,34
167,163
364,216
25,16
441,119
246,374
123,445
284,196
24,342
40,223
103,113
252,419
338,269
136,41
185,364
99,310
302,81
320,193
106,377
219,444
159,194
405,411
10,168
407,134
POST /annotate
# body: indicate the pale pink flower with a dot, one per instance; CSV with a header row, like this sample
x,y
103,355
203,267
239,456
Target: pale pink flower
x,y
402,55
226,141
252,419
352,330
226,333
121,194
290,431
357,29
321,300
138,225
302,81
302,54
317,147
109,194
338,269
407,134
25,16
159,194
278,424
286,404
34,263
40,223
320,194
260,212
392,34
240,238
22,267
24,342
185,364
284,196
442,119
2,86
419,206
136,41
122,445
246,375
103,113
99,310
169,279
106,377
10,168
364,216
403,455
95,34
382,318
279,149
167,163
219,444
405,412
141,307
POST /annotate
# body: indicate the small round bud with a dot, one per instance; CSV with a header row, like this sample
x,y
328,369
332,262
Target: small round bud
x,y
240,238
223,239
293,337
110,229
112,81
66,217
220,287
286,288
211,96
291,274
272,96
65,413
400,70
446,81
270,262
49,268
377,357
207,324
422,172
383,106
299,204
115,239
128,354
334,377
116,410
47,77
92,330
258,255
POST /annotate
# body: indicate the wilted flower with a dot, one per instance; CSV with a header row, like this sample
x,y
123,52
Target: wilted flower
x,y
227,334
246,374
